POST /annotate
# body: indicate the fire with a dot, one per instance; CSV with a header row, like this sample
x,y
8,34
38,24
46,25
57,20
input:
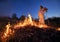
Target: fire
x,y
7,30
28,21
58,29
7,33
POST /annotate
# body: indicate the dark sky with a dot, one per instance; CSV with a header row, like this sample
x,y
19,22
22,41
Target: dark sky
x,y
23,7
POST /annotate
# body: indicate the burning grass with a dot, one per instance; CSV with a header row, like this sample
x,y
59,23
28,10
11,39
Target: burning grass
x,y
29,21
29,31
26,29
35,34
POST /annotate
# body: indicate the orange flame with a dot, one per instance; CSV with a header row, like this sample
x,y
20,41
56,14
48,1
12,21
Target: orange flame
x,y
58,29
7,33
29,21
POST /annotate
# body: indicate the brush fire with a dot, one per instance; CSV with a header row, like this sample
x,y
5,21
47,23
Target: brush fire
x,y
28,21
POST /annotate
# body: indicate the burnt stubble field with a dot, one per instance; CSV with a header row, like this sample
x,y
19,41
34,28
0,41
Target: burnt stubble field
x,y
35,34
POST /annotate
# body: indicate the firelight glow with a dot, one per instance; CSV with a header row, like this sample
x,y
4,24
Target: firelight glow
x,y
29,21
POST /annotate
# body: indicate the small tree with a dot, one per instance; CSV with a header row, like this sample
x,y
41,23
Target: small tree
x,y
14,16
22,17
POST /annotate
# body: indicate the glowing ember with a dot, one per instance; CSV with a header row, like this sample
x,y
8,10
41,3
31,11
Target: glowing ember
x,y
41,26
58,29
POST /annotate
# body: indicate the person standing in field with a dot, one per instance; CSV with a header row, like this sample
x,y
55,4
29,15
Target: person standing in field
x,y
41,14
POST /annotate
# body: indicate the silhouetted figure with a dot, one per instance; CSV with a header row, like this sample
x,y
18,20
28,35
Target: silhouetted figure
x,y
41,14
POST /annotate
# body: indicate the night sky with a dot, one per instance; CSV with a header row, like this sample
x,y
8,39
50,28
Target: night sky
x,y
23,7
